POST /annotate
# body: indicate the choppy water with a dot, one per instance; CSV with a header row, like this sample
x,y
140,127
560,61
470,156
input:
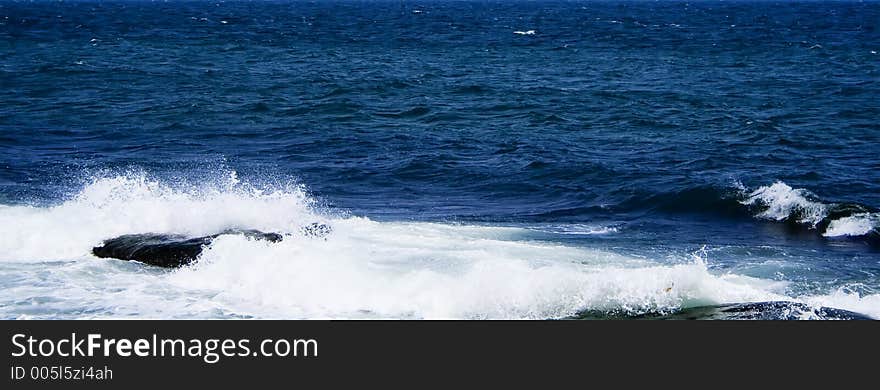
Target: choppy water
x,y
475,159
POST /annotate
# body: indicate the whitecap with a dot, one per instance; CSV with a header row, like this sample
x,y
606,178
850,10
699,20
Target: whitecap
x,y
853,225
780,202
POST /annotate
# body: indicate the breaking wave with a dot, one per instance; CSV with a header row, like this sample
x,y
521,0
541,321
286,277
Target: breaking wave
x,y
364,269
781,202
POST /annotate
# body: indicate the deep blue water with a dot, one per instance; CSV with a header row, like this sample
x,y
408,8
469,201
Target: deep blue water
x,y
747,127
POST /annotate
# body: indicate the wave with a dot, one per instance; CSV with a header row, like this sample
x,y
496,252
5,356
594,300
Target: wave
x,y
798,208
404,270
780,202
364,269
853,226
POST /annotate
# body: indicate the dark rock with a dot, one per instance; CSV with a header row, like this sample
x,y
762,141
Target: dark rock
x,y
167,250
773,310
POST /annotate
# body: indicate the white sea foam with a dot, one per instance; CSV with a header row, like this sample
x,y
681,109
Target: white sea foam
x,y
370,269
781,202
842,298
367,269
854,225
364,268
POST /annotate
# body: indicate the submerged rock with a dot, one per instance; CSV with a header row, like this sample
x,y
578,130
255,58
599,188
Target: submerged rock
x,y
167,250
175,250
772,310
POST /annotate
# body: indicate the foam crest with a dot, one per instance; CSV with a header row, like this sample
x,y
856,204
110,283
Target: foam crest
x,y
854,225
780,202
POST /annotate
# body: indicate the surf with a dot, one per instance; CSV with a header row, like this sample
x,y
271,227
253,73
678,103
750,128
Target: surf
x,y
363,269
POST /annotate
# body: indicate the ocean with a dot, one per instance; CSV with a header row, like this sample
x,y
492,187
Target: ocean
x,y
474,159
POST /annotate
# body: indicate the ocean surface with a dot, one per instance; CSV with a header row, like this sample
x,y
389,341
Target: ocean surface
x,y
476,160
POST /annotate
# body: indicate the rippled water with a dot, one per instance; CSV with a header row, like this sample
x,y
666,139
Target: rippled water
x,y
476,159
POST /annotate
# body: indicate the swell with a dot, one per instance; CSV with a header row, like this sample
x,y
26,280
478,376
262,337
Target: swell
x,y
798,210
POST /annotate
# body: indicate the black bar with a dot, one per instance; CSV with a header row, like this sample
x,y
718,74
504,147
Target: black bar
x,y
456,352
